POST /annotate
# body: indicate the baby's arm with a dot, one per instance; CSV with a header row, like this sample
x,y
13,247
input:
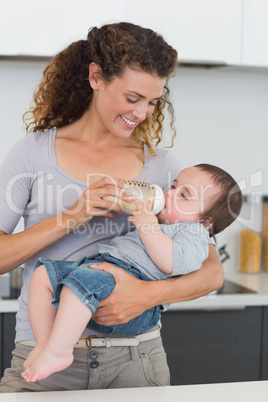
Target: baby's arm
x,y
158,245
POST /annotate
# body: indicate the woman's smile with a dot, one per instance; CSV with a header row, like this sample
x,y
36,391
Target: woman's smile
x,y
129,123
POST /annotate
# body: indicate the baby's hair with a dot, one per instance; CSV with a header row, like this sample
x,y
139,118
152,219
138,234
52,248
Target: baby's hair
x,y
227,204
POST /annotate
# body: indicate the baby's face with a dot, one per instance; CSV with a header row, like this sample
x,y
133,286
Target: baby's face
x,y
192,192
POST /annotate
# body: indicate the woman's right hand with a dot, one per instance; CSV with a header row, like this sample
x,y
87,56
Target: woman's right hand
x,y
93,203
16,248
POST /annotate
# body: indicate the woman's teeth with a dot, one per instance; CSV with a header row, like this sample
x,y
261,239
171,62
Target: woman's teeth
x,y
131,123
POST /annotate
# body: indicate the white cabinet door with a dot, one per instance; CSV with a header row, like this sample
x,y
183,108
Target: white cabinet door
x,y
255,33
30,28
201,30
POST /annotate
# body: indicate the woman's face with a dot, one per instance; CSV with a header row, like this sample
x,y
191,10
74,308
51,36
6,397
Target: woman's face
x,y
125,102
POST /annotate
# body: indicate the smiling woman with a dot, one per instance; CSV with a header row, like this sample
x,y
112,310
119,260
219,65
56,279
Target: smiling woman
x,y
111,49
98,114
130,99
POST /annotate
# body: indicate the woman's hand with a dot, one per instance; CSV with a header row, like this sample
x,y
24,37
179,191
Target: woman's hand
x,y
92,202
127,301
17,248
132,296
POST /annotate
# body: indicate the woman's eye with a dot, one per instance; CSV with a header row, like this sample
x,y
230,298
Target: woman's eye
x,y
131,100
152,104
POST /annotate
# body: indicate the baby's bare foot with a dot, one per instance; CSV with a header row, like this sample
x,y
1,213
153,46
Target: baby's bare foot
x,y
45,364
33,354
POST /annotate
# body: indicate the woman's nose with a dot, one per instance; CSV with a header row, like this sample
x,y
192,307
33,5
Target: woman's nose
x,y
140,112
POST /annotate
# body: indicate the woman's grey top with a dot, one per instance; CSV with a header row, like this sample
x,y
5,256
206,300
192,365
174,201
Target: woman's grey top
x,y
34,187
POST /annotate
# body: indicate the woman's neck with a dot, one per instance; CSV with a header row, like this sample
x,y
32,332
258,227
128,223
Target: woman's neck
x,y
89,130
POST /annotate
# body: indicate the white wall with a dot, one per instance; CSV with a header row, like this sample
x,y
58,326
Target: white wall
x,y
221,119
17,83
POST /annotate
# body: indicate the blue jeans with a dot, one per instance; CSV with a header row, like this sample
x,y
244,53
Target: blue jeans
x,y
91,286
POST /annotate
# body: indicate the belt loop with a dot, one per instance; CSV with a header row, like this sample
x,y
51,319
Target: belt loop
x,y
108,342
134,352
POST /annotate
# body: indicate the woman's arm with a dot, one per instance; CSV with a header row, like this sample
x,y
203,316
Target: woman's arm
x,y
17,248
132,296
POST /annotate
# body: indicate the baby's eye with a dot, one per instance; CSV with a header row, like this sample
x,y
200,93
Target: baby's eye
x,y
173,187
183,196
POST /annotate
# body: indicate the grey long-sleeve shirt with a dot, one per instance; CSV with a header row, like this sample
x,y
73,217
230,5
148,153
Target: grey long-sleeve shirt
x,y
33,186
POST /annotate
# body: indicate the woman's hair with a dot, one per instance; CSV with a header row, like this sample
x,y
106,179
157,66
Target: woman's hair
x,y
227,205
64,93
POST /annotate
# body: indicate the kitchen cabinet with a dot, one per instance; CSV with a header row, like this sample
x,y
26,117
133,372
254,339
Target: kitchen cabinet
x,y
7,336
63,22
233,32
206,30
202,31
202,346
214,346
255,33
264,360
1,343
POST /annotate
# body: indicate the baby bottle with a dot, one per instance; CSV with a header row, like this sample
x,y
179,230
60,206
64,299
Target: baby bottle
x,y
143,191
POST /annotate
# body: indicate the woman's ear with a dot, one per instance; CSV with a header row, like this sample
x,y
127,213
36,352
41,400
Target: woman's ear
x,y
95,75
207,222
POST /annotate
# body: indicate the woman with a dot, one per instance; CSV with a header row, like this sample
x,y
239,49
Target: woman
x,y
98,115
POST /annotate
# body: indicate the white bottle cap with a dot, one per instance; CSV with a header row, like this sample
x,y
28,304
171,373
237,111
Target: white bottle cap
x,y
159,200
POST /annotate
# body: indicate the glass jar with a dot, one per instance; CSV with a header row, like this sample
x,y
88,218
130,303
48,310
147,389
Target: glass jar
x,y
251,238
265,231
250,251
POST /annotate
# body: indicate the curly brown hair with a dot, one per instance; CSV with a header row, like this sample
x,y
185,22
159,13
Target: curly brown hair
x,y
64,93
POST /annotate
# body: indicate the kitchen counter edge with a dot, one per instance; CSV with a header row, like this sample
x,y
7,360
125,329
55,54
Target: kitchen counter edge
x,y
257,282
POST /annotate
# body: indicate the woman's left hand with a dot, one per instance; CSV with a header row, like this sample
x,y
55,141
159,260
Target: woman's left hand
x,y
127,301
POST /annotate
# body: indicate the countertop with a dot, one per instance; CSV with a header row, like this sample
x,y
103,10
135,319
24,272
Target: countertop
x,y
8,306
231,392
257,282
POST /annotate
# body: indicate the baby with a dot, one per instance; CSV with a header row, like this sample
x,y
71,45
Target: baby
x,y
202,201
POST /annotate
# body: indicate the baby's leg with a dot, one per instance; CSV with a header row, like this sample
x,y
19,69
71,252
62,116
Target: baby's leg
x,y
71,320
41,312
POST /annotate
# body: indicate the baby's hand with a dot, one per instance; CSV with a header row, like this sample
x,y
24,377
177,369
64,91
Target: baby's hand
x,y
143,214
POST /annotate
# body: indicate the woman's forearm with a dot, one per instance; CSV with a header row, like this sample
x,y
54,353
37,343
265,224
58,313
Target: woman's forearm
x,y
131,296
17,248
190,286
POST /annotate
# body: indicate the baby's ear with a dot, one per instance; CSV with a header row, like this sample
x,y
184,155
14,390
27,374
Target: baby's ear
x,y
207,222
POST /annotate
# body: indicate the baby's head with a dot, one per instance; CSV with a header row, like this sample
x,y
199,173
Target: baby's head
x,y
203,193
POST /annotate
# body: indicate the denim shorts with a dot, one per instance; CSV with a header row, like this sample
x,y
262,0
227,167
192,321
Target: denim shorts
x,y
91,286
